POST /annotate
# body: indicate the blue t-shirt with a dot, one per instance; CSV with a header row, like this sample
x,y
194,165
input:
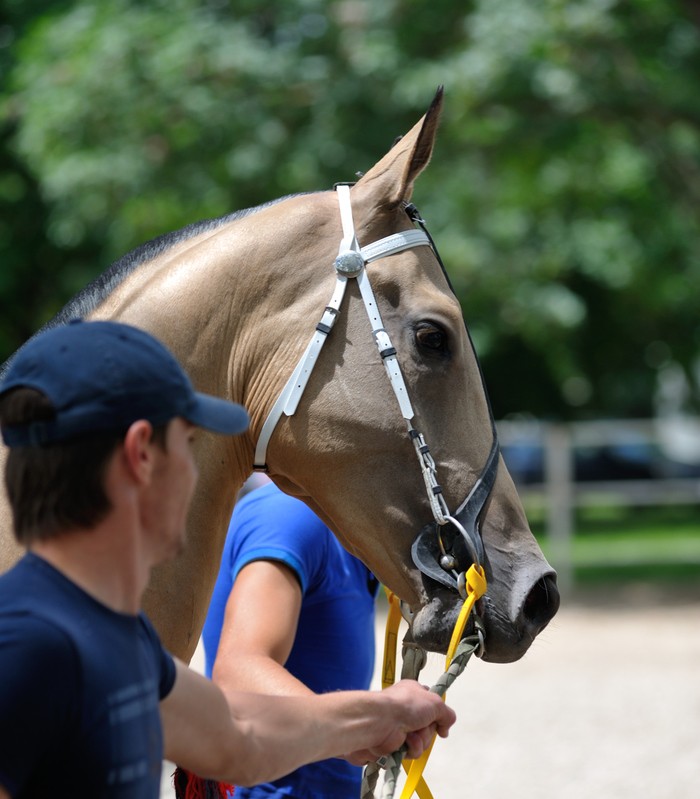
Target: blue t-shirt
x,y
79,691
334,644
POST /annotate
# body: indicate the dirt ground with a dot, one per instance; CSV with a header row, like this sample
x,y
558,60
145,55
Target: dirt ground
x,y
606,705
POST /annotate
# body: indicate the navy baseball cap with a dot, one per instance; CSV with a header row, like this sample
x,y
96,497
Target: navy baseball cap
x,y
102,377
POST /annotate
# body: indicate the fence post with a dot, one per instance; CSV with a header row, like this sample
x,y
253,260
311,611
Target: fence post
x,y
560,505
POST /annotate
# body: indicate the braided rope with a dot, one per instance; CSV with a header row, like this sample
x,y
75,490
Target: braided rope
x,y
413,659
369,781
392,763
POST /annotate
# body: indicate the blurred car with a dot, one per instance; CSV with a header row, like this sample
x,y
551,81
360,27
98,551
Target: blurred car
x,y
609,452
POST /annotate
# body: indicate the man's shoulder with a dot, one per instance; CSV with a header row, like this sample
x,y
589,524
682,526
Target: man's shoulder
x,y
17,586
31,585
30,609
31,642
34,589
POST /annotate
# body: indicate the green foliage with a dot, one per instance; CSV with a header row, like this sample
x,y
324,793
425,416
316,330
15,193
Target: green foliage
x,y
563,192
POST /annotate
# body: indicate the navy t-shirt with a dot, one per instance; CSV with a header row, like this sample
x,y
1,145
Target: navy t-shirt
x,y
79,691
334,643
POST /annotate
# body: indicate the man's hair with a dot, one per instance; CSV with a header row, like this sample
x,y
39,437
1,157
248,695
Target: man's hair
x,y
56,487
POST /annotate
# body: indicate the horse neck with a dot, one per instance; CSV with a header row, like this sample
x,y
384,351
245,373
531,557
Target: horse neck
x,y
233,303
278,264
199,298
235,309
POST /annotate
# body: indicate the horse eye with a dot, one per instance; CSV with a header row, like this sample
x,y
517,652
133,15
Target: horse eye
x,y
430,337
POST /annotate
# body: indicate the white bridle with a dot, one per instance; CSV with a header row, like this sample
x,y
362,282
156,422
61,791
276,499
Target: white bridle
x,y
350,264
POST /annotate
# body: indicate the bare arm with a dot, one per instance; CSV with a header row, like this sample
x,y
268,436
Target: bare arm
x,y
257,738
260,624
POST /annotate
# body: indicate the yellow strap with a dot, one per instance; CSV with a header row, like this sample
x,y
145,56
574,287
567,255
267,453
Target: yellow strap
x,y
390,639
476,588
393,621
414,780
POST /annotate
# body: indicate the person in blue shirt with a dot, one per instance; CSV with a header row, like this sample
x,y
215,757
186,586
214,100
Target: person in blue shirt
x,y
99,420
292,613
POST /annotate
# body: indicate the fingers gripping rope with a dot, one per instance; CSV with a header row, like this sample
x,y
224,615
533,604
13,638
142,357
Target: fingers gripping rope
x,y
392,763
459,651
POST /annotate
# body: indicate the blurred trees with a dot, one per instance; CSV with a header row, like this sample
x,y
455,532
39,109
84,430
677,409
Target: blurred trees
x,y
563,192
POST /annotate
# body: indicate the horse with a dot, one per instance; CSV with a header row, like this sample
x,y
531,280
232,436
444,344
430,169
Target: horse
x,y
236,299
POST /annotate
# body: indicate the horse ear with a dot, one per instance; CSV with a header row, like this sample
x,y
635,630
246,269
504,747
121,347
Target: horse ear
x,y
390,181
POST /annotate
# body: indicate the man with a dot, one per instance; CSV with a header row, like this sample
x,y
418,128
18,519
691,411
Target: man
x,y
99,418
292,613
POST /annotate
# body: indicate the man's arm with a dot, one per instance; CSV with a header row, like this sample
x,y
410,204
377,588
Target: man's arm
x,y
259,628
257,738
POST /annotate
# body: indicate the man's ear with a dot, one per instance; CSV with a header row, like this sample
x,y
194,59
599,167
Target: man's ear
x,y
138,447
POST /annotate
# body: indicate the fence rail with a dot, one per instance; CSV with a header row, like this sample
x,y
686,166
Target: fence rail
x,y
548,472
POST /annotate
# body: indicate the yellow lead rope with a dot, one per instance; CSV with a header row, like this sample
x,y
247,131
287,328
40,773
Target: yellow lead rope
x,y
389,670
391,632
476,588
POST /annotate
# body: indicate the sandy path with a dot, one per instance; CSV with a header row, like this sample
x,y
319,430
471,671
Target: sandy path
x,y
606,705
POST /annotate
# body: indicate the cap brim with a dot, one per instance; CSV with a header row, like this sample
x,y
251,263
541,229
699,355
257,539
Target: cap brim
x,y
218,415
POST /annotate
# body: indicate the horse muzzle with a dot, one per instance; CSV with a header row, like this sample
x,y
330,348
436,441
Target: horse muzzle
x,y
511,625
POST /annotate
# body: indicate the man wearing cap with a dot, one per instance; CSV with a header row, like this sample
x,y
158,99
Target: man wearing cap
x,y
99,419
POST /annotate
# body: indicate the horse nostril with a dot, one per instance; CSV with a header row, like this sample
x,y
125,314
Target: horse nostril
x,y
542,602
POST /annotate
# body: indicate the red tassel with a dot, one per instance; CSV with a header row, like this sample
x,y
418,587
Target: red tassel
x,y
191,786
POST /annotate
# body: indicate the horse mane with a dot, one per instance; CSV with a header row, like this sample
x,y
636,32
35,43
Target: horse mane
x,y
88,298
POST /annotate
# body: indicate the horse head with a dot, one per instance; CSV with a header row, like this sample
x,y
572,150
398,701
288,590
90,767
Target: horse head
x,y
347,451
238,300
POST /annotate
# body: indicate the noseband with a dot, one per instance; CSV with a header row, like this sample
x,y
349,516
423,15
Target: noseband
x,y
445,548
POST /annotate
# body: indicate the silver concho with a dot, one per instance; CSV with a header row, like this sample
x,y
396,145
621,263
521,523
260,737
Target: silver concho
x,y
448,562
349,263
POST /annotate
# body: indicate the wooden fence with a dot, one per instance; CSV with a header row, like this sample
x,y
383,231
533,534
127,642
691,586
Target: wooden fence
x,y
560,493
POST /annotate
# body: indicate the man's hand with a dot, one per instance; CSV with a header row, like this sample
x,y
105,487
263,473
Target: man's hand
x,y
256,738
409,714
